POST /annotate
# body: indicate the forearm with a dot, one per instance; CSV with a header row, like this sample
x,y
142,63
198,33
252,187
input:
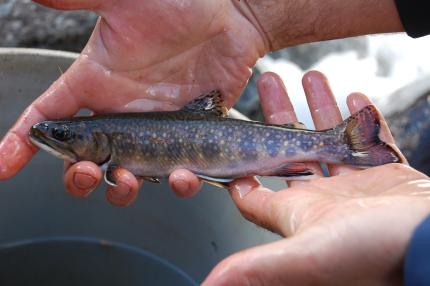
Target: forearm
x,y
291,22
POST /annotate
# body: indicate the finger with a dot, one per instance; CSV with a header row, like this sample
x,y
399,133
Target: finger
x,y
126,191
15,148
323,107
251,198
356,102
277,107
82,178
184,183
281,212
276,104
71,4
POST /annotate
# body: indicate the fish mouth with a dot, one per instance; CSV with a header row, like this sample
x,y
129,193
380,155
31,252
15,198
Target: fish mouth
x,y
50,145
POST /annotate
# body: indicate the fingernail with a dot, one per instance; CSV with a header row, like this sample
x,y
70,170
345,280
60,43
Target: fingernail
x,y
356,101
269,82
121,192
181,185
318,88
243,190
84,181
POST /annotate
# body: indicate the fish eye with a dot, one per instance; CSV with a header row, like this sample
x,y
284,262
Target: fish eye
x,y
61,133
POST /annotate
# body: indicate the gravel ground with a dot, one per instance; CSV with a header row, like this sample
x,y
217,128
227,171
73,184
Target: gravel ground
x,y
26,24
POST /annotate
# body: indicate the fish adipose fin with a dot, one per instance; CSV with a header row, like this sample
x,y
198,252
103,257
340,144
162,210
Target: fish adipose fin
x,y
208,103
218,182
361,133
295,125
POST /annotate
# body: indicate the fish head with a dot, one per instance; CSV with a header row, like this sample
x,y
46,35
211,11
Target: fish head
x,y
71,141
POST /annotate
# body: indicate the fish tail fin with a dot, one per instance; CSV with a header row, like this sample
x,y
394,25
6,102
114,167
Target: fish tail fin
x,y
361,133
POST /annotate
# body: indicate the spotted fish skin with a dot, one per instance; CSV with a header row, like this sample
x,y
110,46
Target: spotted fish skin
x,y
155,144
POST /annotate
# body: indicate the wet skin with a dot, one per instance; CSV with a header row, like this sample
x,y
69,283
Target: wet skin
x,y
159,54
143,56
352,228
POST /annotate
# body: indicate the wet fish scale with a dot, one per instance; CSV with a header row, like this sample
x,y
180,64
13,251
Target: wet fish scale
x,y
190,149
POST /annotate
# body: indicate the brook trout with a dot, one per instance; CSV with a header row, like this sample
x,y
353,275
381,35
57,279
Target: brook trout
x,y
217,149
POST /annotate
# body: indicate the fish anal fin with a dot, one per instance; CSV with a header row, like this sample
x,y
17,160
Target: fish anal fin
x,y
218,182
290,170
211,102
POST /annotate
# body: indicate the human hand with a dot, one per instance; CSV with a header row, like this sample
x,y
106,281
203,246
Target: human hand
x,y
144,55
349,229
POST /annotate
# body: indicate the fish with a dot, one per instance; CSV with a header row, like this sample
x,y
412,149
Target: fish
x,y
201,138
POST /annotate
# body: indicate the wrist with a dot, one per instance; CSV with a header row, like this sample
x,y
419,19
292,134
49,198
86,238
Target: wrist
x,y
245,9
288,22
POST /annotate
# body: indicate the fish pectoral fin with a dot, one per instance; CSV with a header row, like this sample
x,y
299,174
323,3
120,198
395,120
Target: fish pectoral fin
x,y
211,103
150,179
295,125
111,180
290,170
109,175
223,183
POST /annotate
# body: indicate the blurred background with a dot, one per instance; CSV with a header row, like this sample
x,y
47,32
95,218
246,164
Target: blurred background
x,y
394,70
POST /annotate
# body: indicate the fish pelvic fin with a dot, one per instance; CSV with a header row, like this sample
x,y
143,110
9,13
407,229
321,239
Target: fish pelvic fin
x,y
154,180
223,183
109,175
361,133
210,103
291,171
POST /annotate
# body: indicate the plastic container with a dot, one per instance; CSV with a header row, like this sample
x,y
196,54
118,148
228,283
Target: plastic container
x,y
193,234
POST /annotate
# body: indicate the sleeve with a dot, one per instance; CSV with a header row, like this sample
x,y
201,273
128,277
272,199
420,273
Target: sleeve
x,y
414,15
417,261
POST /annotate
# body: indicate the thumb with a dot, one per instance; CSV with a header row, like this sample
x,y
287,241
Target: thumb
x,y
281,212
285,262
59,101
255,203
72,4
324,254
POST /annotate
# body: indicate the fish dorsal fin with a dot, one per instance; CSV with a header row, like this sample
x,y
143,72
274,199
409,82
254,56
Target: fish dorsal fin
x,y
208,103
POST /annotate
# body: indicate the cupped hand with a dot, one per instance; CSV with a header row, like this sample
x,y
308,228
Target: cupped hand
x,y
143,55
351,228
